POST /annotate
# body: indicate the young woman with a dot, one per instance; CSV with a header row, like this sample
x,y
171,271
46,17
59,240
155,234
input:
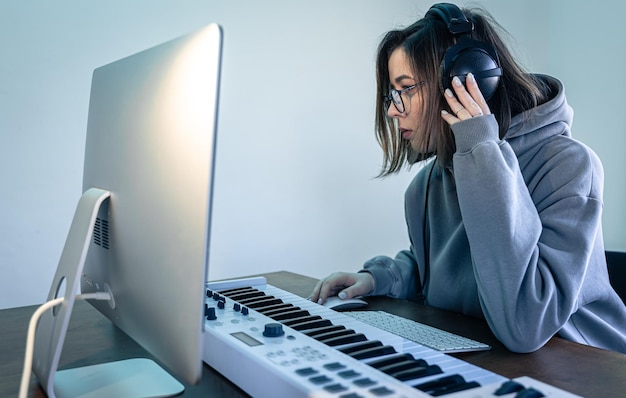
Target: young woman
x,y
505,219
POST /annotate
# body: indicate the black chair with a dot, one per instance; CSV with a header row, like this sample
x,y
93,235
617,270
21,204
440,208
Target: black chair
x,y
616,262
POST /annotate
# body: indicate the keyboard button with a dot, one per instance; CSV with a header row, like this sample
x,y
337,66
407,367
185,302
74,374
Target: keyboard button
x,y
351,395
335,366
381,391
306,371
529,393
348,374
320,379
335,388
508,387
366,382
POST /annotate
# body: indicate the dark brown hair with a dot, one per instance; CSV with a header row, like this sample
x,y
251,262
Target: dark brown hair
x,y
425,43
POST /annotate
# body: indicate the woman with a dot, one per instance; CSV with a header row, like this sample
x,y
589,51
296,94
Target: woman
x,y
505,220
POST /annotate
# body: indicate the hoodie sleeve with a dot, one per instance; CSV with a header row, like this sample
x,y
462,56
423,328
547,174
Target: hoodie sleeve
x,y
395,277
531,236
402,276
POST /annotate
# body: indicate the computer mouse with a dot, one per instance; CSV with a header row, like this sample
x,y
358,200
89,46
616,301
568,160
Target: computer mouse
x,y
337,304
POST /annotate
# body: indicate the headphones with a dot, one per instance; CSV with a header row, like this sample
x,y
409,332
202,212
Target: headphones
x,y
467,55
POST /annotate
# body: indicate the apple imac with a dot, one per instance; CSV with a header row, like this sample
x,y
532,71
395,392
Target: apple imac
x,y
141,227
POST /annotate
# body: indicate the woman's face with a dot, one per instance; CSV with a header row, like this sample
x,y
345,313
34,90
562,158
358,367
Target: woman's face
x,y
402,77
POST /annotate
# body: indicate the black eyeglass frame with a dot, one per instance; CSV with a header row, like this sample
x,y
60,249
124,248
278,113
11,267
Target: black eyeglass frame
x,y
395,96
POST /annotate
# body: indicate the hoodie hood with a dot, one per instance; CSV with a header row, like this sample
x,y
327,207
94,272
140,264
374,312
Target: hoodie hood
x,y
551,118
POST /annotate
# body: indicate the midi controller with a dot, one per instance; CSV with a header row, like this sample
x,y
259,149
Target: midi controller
x,y
272,343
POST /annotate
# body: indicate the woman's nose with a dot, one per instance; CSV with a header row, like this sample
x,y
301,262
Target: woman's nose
x,y
392,111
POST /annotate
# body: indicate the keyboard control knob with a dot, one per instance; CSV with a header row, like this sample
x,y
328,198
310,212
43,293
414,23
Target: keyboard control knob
x,y
210,313
273,330
244,310
237,307
220,305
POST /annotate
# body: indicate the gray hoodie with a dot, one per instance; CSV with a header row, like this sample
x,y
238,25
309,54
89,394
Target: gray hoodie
x,y
512,233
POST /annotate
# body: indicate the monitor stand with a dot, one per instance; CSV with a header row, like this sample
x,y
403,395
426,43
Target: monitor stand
x,y
138,377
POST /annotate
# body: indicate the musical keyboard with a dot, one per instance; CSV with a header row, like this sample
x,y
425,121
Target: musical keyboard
x,y
272,343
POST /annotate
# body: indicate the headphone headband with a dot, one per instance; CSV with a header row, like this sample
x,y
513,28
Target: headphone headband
x,y
453,17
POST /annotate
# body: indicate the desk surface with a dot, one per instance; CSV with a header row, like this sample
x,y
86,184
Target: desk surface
x,y
92,339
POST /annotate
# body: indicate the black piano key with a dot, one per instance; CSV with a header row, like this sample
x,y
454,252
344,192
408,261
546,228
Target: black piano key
x,y
237,290
343,340
322,330
306,323
379,363
245,295
256,297
417,373
262,297
302,320
402,366
361,346
455,388
262,303
332,334
373,352
296,313
440,383
276,309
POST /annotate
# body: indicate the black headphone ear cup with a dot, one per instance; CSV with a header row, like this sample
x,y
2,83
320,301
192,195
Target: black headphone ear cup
x,y
471,56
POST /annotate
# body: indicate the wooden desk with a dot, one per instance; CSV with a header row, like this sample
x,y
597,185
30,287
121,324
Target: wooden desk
x,y
92,339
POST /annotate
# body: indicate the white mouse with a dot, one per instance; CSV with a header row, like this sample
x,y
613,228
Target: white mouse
x,y
337,304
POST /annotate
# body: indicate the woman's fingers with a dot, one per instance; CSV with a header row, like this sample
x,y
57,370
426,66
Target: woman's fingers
x,y
465,103
353,284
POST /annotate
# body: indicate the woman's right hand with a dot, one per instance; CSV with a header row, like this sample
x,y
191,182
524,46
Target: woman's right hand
x,y
343,284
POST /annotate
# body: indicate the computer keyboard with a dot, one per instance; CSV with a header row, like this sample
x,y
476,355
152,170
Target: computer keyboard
x,y
425,335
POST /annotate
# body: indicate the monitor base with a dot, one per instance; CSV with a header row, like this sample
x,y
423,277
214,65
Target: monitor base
x,y
137,377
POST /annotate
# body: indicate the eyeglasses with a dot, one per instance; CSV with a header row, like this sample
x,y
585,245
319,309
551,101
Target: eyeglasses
x,y
395,96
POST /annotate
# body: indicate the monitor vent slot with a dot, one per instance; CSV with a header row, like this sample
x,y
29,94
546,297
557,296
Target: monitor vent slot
x,y
101,233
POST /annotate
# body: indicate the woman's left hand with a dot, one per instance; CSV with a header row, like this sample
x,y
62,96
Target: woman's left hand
x,y
467,103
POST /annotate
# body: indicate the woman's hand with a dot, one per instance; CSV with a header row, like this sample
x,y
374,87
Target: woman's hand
x,y
467,103
343,284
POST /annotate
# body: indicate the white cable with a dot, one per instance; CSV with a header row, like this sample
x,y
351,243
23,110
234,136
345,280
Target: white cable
x,y
32,326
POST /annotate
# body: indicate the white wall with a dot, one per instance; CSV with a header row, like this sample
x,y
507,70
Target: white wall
x,y
296,150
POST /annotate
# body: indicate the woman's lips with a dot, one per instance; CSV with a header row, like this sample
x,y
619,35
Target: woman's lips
x,y
406,134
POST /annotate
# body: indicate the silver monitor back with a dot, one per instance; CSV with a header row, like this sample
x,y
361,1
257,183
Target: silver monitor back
x,y
150,144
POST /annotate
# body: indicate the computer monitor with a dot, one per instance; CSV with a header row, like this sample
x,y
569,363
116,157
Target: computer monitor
x,y
141,228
